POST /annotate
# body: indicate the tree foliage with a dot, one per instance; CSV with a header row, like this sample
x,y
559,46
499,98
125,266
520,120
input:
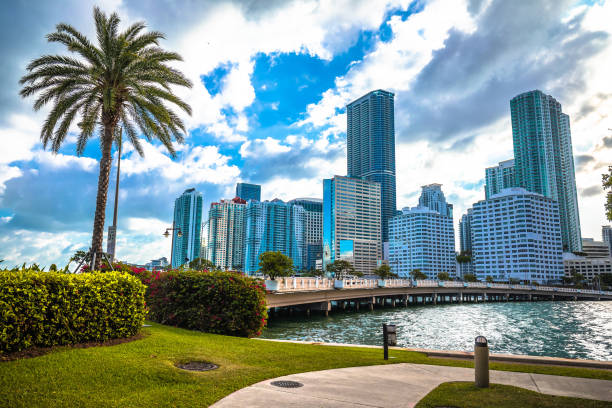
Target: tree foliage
x,y
384,272
201,264
607,185
122,82
443,276
470,277
341,268
417,274
275,264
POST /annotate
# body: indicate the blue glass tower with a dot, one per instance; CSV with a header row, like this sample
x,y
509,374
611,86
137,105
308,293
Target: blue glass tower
x,y
248,191
370,138
187,218
274,226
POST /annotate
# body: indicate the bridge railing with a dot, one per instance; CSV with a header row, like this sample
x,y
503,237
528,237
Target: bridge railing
x,y
314,284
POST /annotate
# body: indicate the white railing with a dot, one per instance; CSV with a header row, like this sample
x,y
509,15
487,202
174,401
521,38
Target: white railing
x,y
316,284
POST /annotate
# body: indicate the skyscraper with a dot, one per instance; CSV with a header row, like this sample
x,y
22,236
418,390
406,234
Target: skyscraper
x,y
226,231
274,226
606,236
500,177
248,191
423,237
351,222
543,157
370,137
188,219
465,232
517,234
313,229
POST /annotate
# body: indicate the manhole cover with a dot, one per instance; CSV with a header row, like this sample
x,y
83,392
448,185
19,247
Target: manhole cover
x,y
197,366
287,384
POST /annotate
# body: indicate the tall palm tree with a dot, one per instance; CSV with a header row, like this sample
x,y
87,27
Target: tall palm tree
x,y
123,81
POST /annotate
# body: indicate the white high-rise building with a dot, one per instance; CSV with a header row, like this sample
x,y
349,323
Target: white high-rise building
x,y
423,237
517,234
226,234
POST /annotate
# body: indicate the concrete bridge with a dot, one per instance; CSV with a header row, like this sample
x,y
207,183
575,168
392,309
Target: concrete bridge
x,y
317,294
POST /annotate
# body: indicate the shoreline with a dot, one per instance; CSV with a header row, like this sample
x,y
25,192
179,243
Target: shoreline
x,y
466,355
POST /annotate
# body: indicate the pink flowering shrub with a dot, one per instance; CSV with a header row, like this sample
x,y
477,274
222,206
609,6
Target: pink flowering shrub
x,y
215,302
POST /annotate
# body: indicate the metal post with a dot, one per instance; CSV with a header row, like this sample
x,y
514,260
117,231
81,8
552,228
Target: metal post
x,y
172,247
481,362
385,342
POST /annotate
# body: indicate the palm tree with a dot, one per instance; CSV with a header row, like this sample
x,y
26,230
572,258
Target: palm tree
x,y
122,82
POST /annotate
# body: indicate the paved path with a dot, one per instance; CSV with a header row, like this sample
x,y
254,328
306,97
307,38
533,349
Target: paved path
x,y
396,385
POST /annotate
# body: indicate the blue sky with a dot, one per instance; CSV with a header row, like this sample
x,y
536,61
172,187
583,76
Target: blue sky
x,y
271,82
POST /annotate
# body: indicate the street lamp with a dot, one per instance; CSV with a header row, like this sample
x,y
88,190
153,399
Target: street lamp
x,y
178,234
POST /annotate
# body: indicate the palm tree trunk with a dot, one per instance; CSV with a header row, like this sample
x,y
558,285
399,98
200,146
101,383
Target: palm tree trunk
x,y
105,166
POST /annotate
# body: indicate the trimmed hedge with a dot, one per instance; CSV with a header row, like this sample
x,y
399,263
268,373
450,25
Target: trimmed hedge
x,y
46,309
215,302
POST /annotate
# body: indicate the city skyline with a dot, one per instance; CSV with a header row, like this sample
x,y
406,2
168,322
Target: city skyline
x,y
269,110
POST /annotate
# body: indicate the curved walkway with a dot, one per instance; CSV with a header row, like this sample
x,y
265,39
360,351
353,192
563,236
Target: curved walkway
x,y
396,385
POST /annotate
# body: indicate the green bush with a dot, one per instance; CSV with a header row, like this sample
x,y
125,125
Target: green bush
x,y
50,308
215,302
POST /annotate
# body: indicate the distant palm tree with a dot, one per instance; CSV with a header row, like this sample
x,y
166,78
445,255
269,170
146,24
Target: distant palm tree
x,y
122,82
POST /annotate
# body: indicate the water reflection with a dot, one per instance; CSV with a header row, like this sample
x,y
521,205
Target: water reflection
x,y
559,329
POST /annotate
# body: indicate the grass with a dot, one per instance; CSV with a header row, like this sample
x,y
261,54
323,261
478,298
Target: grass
x,y
142,373
467,395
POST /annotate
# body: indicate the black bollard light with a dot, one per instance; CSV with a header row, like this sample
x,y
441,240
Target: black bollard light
x,y
389,338
481,362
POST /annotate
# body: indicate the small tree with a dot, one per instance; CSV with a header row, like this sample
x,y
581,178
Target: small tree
x,y
443,276
464,257
384,272
200,264
275,264
417,274
470,277
340,268
489,279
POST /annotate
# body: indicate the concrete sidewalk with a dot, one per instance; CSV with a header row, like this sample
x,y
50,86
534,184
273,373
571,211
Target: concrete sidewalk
x,y
396,385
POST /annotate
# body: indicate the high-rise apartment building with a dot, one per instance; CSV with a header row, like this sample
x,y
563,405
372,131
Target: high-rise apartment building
x,y
606,236
433,198
274,226
313,230
465,232
423,237
370,138
226,232
352,222
499,177
517,234
248,191
187,220
543,157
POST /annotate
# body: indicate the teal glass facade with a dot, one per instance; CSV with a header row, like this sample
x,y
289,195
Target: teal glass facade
x,y
543,157
274,226
248,191
370,137
188,218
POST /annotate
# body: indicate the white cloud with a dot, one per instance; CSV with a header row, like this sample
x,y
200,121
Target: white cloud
x,y
196,164
263,148
7,173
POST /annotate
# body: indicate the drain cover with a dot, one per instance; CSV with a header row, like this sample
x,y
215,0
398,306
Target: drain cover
x,y
197,366
287,384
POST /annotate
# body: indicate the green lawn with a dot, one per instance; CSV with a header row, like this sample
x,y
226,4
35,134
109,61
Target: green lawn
x,y
467,395
142,372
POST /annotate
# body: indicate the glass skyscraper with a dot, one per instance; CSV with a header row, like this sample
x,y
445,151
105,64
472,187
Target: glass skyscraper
x,y
351,222
274,226
188,218
370,138
543,157
499,177
248,191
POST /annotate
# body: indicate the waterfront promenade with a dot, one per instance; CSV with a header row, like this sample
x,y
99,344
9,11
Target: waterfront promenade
x,y
318,293
396,385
